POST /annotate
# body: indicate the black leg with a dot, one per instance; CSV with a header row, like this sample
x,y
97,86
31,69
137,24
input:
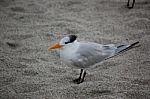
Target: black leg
x,y
82,80
81,73
128,3
133,3
81,77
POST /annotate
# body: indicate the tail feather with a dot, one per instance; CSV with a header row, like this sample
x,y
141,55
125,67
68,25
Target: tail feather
x,y
124,48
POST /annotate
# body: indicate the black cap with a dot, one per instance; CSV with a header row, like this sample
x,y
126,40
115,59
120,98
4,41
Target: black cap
x,y
72,39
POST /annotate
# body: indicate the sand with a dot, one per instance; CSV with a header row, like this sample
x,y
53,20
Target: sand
x,y
29,27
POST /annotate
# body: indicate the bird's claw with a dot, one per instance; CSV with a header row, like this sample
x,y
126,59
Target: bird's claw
x,y
78,80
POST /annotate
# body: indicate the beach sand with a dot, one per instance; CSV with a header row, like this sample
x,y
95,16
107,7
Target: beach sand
x,y
29,71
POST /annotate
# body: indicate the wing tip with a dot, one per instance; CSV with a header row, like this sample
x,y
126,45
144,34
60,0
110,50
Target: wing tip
x,y
135,43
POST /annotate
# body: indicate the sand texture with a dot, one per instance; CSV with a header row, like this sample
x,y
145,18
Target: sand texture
x,y
29,27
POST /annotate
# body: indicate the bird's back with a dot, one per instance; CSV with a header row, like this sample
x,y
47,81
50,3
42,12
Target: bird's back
x,y
89,53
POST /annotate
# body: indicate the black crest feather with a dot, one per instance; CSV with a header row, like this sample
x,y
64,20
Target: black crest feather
x,y
72,39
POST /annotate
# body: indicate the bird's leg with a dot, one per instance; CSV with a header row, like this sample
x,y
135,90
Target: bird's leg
x,y
128,3
79,78
133,3
83,77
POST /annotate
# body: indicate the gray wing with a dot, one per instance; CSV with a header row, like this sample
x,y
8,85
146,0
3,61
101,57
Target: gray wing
x,y
90,53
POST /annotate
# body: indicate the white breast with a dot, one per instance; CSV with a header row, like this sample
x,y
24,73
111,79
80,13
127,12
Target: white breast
x,y
68,53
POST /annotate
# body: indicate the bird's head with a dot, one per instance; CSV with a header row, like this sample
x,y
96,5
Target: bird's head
x,y
63,42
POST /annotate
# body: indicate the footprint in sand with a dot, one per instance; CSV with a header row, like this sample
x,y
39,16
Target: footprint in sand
x,y
100,92
141,81
18,9
6,3
12,44
26,88
27,60
18,37
29,73
7,63
13,41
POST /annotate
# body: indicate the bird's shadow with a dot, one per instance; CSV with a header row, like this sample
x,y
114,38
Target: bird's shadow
x,y
100,92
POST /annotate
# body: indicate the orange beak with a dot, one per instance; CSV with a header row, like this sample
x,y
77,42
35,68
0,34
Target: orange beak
x,y
55,46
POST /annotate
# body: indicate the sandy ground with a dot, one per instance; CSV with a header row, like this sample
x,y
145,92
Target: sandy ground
x,y
29,27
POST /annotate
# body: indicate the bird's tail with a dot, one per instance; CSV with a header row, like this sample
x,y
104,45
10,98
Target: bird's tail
x,y
123,48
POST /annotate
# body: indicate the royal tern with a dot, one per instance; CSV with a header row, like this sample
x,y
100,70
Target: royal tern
x,y
86,54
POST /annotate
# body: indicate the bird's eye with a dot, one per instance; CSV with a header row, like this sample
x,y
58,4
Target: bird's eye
x,y
66,42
